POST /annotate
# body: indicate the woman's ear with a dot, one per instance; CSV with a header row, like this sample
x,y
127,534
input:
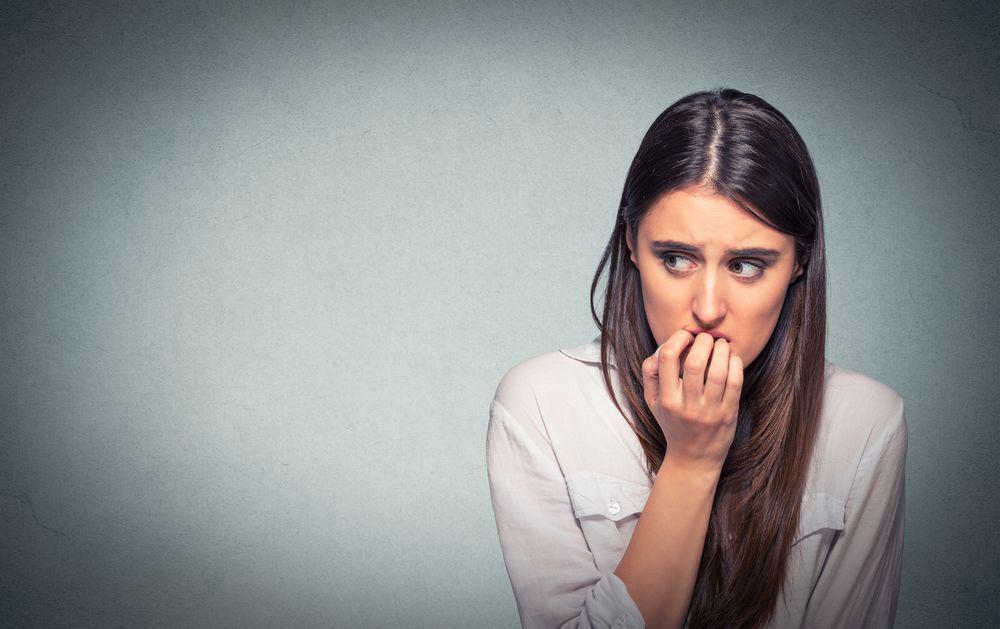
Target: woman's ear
x,y
631,245
799,270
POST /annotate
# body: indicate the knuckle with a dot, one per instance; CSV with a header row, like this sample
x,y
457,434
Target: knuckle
x,y
694,365
690,413
716,377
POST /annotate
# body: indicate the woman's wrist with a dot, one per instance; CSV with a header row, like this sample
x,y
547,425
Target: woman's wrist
x,y
700,472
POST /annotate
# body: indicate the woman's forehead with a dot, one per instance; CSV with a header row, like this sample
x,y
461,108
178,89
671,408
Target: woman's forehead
x,y
707,220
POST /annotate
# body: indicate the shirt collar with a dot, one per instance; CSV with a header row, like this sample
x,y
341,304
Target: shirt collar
x,y
589,352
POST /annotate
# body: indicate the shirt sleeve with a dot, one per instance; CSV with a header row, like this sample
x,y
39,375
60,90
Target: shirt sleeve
x,y
859,584
552,571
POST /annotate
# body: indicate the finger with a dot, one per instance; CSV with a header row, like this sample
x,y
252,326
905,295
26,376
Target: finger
x,y
650,379
734,385
718,372
668,362
695,365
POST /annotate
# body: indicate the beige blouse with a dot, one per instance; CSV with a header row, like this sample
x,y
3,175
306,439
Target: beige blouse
x,y
567,485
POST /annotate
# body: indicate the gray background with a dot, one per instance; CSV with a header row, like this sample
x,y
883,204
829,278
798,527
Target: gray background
x,y
264,267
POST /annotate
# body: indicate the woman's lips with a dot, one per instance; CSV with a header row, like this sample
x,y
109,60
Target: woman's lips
x,y
715,335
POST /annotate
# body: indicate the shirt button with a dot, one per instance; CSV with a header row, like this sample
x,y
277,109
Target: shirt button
x,y
614,507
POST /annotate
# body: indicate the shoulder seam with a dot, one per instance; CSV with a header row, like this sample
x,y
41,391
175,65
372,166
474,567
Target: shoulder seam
x,y
895,425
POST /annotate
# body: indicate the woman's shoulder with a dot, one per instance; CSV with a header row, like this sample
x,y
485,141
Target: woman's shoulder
x,y
547,375
860,416
861,401
559,399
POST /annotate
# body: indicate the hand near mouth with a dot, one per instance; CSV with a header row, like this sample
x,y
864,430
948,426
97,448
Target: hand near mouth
x,y
692,386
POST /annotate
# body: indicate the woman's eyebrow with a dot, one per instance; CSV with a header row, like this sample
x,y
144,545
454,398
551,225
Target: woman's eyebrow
x,y
746,251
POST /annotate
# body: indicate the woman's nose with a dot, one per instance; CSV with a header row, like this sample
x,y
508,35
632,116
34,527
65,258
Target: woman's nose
x,y
709,303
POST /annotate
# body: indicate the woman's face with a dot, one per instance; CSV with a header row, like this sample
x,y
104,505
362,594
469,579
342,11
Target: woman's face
x,y
694,277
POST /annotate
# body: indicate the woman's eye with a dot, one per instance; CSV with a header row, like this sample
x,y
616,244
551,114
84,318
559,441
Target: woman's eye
x,y
672,256
757,269
745,269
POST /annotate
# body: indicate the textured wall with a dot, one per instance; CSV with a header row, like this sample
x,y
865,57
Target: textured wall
x,y
262,269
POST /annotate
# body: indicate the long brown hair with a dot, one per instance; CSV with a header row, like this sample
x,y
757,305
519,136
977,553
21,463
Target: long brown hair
x,y
746,150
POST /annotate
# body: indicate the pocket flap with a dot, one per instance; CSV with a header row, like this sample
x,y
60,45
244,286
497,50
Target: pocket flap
x,y
819,511
594,494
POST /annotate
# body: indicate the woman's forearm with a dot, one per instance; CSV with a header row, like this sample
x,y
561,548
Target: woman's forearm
x,y
661,562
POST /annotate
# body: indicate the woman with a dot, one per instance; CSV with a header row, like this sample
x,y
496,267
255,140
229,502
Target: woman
x,y
769,481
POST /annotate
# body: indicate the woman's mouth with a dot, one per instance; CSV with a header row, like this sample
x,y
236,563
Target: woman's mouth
x,y
687,350
715,335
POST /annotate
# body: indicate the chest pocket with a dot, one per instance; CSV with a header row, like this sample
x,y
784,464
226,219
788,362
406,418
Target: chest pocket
x,y
821,519
607,509
820,512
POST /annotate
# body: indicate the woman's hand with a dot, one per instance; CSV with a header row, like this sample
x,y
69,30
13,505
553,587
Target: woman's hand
x,y
697,412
